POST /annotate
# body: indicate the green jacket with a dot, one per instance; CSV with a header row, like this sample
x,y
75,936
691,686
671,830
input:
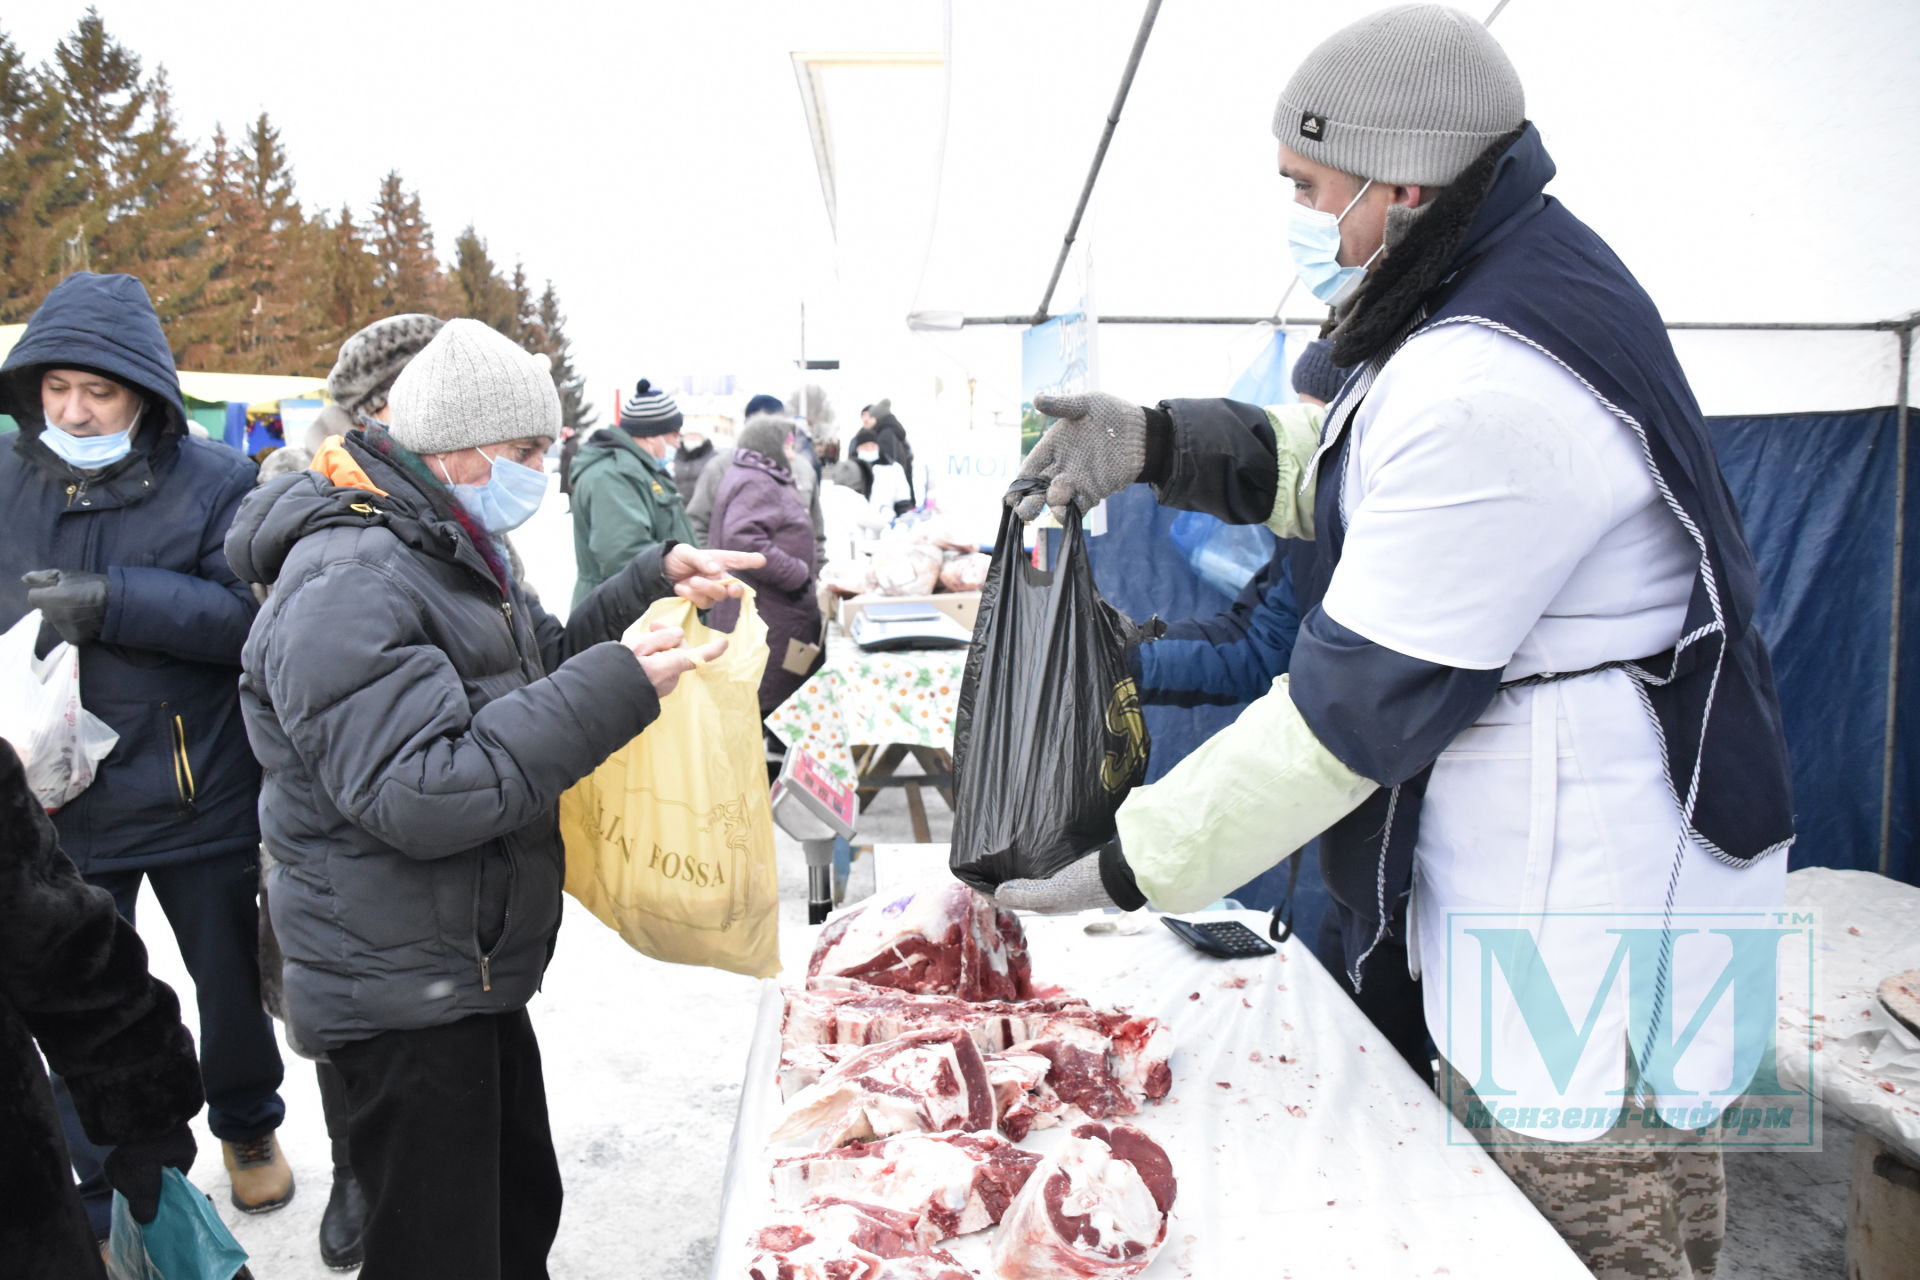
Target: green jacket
x,y
624,501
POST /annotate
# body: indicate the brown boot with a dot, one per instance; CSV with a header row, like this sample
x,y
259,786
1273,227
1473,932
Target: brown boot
x,y
262,1178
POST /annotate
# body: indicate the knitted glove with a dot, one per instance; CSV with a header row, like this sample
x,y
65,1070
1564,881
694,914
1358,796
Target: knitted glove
x,y
1100,879
133,1168
75,604
1097,448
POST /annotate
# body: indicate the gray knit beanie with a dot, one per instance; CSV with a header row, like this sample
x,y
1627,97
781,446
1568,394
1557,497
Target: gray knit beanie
x,y
470,386
649,412
1408,95
371,359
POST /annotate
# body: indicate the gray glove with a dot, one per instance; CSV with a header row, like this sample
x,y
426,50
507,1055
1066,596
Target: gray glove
x,y
1097,448
1075,887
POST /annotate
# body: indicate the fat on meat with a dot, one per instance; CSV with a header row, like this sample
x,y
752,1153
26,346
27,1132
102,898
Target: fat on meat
x,y
941,940
1096,1207
926,1081
847,1011
1104,1063
1023,1100
955,1182
830,1238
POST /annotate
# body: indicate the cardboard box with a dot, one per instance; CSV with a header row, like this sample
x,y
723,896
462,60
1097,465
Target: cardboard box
x,y
961,606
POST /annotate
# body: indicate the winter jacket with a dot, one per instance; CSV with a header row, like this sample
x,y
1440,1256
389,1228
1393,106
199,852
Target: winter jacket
x,y
805,482
417,715
688,466
568,452
1230,658
73,986
758,509
624,501
181,783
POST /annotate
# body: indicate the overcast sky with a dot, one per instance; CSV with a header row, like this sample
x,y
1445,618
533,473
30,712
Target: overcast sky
x,y
651,158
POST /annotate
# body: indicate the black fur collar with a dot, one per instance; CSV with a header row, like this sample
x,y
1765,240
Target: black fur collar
x,y
1389,301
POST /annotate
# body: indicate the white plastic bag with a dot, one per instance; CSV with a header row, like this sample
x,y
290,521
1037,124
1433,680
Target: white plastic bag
x,y
59,741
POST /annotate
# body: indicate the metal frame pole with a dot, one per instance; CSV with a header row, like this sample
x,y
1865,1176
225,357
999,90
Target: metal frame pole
x,y
1901,416
1099,158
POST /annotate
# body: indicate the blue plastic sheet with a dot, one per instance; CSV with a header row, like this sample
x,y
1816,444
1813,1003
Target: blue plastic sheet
x,y
1818,495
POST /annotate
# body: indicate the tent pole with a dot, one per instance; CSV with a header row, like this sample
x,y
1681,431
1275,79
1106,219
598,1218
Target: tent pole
x,y
1901,415
1099,156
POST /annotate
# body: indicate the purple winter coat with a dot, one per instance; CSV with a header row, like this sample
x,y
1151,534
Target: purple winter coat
x,y
758,509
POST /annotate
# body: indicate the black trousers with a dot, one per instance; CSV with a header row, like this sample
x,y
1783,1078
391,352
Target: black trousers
x,y
1390,996
213,907
447,1132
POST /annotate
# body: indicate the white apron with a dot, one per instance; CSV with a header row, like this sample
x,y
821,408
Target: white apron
x,y
1514,525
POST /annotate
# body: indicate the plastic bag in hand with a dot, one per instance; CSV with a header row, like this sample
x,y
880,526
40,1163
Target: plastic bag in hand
x,y
185,1241
59,741
1048,737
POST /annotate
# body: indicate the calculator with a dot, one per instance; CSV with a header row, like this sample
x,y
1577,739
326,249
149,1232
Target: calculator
x,y
1226,939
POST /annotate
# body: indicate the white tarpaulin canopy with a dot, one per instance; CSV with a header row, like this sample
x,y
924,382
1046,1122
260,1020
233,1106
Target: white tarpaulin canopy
x,y
1752,163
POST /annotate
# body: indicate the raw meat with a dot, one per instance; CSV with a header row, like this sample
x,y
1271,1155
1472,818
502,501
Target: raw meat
x,y
834,1239
956,1182
926,1081
1104,1062
1096,1207
940,940
1022,1099
803,1064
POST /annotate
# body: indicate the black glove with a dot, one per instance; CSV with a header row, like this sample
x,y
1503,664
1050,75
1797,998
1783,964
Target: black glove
x,y
133,1168
75,604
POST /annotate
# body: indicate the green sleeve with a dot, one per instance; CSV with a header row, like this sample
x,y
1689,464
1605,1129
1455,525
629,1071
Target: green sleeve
x,y
1250,796
1296,438
621,516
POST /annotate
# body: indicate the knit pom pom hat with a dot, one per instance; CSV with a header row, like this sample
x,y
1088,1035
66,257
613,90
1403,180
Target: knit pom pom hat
x,y
648,412
471,386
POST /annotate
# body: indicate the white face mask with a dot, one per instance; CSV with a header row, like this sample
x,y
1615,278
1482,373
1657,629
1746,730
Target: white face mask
x,y
90,453
1313,237
868,455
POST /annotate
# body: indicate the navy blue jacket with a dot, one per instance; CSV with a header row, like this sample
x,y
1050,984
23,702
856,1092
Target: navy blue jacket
x,y
181,784
1230,658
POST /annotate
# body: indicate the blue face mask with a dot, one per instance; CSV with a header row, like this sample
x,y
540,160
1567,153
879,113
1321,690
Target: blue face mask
x,y
1313,238
90,453
509,497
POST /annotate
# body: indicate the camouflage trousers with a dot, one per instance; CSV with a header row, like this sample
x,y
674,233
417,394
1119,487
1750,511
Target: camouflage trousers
x,y
1649,1204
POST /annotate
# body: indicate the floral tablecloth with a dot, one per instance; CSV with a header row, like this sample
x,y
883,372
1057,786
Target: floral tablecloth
x,y
905,697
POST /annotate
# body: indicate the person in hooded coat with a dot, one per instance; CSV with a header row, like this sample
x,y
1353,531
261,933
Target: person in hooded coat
x,y
112,518
74,986
758,509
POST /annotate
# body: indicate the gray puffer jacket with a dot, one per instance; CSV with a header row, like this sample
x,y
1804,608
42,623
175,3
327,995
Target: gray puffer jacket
x,y
417,722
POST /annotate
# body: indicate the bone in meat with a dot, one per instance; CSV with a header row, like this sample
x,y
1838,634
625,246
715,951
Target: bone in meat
x,y
1096,1207
830,1238
943,940
926,1081
956,1182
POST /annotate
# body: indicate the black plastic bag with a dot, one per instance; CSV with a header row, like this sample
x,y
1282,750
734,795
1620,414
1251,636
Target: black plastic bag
x,y
1048,737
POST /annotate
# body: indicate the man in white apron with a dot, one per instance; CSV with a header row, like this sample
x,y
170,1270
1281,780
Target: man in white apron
x,y
1527,691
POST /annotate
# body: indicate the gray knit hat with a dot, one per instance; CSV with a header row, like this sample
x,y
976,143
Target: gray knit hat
x,y
1408,95
371,359
648,412
470,386
766,434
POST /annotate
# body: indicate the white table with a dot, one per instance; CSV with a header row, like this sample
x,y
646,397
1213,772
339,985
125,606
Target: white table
x,y
1303,1145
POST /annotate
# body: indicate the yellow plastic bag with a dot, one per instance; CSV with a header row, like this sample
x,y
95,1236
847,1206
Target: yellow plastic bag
x,y
670,841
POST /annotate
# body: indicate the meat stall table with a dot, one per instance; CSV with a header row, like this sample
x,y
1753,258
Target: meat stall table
x,y
1302,1144
863,714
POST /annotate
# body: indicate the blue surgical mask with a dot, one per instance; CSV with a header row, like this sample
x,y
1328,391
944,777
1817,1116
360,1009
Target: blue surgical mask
x,y
507,500
90,453
1313,237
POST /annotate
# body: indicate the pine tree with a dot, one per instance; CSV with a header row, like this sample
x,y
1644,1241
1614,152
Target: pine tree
x,y
40,202
576,411
409,275
344,297
272,256
235,227
478,292
105,99
163,233
526,328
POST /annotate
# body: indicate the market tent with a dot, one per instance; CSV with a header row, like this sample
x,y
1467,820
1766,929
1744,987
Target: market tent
x,y
1750,163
